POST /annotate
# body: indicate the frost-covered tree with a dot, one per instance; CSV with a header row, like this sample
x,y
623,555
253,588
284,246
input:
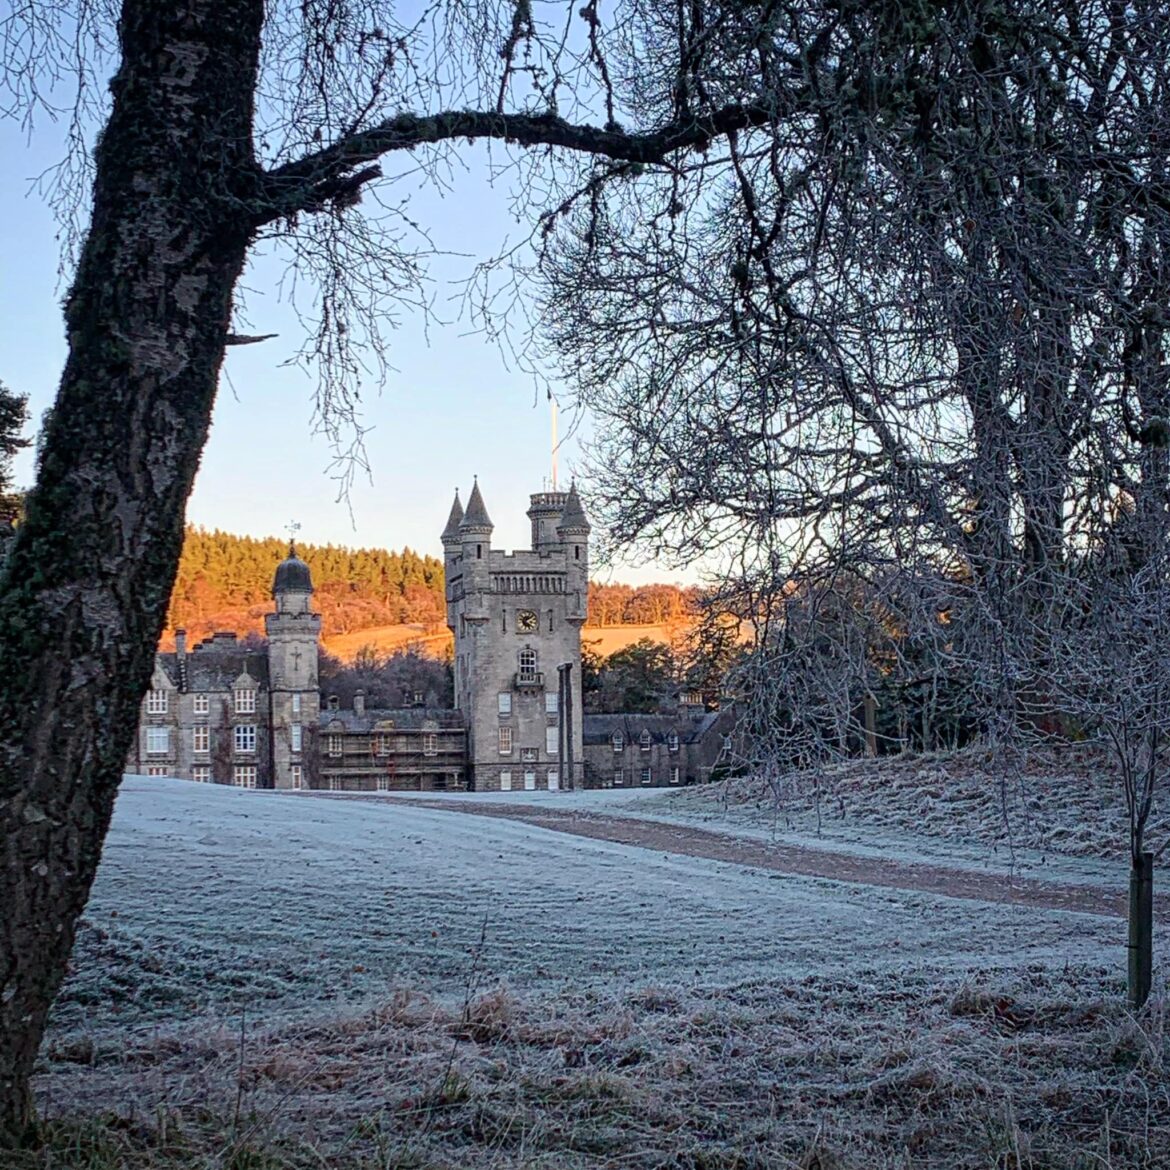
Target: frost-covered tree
x,y
921,319
914,332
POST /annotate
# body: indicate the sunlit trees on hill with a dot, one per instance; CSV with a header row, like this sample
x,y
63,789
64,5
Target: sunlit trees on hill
x,y
224,582
13,416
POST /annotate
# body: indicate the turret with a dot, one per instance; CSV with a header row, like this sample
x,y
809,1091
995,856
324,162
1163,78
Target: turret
x,y
573,531
294,628
293,643
450,537
544,511
475,537
476,524
452,568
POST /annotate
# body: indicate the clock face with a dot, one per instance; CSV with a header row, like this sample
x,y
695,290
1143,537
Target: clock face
x,y
526,621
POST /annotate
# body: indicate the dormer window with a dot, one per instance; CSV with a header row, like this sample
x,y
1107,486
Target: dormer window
x,y
245,699
672,742
156,702
644,741
619,742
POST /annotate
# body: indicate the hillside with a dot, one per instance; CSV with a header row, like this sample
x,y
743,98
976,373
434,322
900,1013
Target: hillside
x,y
603,640
372,597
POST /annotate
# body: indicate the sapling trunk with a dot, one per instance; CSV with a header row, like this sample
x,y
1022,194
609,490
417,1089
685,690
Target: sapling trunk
x,y
1141,928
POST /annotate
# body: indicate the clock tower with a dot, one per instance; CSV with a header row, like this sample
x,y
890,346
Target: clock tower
x,y
517,621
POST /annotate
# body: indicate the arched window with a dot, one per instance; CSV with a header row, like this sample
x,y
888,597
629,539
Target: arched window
x,y
644,741
619,742
528,663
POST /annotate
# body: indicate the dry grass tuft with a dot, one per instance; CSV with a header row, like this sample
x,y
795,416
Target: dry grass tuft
x,y
1025,1070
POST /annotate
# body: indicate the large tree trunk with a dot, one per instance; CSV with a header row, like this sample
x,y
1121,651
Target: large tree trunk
x,y
84,593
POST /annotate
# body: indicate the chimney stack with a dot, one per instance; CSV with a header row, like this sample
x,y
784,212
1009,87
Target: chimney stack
x,y
359,702
181,657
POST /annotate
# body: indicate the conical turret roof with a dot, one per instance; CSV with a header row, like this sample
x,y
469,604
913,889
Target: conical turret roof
x,y
476,517
573,518
451,532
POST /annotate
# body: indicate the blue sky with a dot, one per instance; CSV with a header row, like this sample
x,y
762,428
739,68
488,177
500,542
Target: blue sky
x,y
452,409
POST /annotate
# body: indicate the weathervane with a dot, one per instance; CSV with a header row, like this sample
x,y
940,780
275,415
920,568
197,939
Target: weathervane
x,y
292,528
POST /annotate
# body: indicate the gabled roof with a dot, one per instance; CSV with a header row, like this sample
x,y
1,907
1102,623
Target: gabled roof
x,y
689,728
476,517
451,532
215,668
403,719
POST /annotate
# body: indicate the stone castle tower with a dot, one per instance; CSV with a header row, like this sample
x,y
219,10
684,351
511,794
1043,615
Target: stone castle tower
x,y
517,621
293,632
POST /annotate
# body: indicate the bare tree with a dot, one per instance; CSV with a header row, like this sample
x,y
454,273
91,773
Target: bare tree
x,y
226,123
914,332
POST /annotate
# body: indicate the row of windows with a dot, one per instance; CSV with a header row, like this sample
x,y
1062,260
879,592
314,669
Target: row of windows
x,y
430,744
243,775
644,741
552,780
644,775
505,701
551,741
243,699
158,739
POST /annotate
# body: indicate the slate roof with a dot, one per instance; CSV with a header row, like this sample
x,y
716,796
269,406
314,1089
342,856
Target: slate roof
x,y
476,516
573,517
690,728
451,532
216,667
403,718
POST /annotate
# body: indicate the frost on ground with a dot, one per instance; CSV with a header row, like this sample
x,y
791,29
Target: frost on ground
x,y
213,899
1042,807
1033,1070
305,962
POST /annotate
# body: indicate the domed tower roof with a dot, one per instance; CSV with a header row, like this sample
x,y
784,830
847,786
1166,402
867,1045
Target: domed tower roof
x,y
451,532
292,575
475,519
573,518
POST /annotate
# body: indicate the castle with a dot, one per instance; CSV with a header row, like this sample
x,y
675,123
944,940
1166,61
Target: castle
x,y
229,713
